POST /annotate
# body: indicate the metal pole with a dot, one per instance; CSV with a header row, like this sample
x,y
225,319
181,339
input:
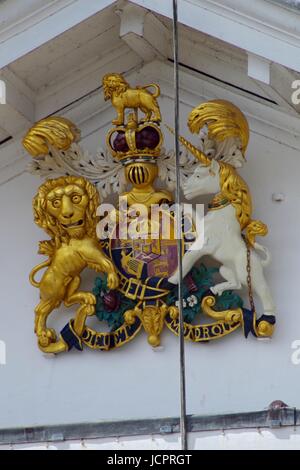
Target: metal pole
x,y
183,431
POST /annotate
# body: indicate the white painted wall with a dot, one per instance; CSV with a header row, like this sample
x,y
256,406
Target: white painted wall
x,y
230,375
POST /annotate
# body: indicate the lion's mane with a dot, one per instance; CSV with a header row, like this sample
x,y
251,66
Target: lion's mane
x,y
47,222
121,85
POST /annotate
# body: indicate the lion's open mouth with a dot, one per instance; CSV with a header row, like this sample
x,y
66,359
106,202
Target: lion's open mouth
x,y
74,224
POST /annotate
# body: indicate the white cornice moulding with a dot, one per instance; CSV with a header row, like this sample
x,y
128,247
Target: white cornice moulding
x,y
258,68
84,82
193,89
266,30
13,160
19,109
144,33
43,25
266,120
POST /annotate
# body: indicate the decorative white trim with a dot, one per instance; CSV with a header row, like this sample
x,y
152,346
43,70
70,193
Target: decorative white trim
x,y
84,81
19,109
265,119
145,44
270,31
44,24
13,161
144,33
258,68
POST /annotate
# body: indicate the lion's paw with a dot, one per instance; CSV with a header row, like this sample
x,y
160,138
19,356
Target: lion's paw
x,y
112,281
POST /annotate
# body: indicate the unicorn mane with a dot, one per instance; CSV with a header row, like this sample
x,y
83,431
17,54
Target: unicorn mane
x,y
235,189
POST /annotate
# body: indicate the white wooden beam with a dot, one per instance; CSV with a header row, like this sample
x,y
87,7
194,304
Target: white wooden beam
x,y
18,112
273,94
3,135
279,88
208,57
43,25
2,92
13,159
272,122
282,80
269,31
258,68
85,81
143,33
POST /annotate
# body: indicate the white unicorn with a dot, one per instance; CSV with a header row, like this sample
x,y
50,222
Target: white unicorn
x,y
228,216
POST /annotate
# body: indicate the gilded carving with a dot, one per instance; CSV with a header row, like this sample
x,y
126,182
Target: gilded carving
x,y
136,289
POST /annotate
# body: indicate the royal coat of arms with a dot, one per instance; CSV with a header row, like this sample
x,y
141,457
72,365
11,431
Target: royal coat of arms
x,y
133,247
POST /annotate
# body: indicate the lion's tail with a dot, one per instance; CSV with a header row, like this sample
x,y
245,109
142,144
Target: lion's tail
x,y
156,87
35,270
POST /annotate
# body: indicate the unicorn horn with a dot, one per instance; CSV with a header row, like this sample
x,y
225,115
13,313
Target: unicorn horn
x,y
191,148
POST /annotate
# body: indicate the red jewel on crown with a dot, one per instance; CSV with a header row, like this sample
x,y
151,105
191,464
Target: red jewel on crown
x,y
135,140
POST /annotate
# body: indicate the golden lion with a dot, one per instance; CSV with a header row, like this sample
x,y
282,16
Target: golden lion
x,y
66,209
122,96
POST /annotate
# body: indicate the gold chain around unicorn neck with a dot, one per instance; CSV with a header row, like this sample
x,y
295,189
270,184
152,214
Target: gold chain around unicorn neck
x,y
219,201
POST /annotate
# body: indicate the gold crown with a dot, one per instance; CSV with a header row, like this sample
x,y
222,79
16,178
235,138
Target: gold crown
x,y
138,141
